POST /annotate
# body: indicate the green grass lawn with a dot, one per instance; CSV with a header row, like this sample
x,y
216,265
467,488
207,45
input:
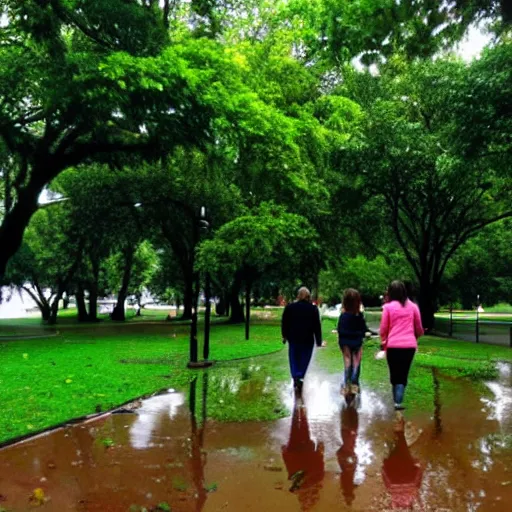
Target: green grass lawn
x,y
97,367
499,308
91,368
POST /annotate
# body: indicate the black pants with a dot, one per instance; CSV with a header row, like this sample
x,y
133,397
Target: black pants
x,y
399,362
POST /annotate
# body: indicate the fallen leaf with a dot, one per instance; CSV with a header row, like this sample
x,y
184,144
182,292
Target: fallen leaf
x,y
275,469
297,479
38,498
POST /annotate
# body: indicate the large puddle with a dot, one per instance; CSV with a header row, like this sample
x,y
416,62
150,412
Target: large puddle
x,y
325,456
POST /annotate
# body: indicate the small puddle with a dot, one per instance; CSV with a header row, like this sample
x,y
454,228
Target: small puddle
x,y
324,456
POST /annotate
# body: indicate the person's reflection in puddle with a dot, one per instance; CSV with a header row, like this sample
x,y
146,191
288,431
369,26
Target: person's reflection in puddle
x,y
347,458
304,460
402,474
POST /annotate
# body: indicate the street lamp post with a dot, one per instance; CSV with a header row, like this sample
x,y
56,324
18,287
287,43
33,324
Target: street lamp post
x,y
193,326
451,320
478,318
204,226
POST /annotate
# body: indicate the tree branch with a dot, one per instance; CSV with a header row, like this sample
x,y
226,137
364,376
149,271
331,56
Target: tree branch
x,y
67,17
467,234
398,234
82,151
34,297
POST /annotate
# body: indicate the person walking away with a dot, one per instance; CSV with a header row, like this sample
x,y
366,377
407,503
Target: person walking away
x,y
351,332
400,329
301,328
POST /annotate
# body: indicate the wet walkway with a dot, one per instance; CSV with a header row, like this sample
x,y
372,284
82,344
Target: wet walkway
x,y
326,456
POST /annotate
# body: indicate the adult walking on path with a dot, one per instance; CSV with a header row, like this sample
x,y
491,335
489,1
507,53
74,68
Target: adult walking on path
x,y
301,328
400,329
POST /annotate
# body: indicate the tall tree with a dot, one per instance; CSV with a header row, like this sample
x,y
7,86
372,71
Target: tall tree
x,y
339,30
79,80
436,157
48,259
249,245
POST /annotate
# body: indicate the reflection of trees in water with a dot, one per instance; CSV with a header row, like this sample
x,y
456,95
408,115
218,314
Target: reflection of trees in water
x,y
304,460
437,404
347,457
197,453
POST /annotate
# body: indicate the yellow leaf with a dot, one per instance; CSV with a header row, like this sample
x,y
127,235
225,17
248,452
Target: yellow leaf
x,y
38,497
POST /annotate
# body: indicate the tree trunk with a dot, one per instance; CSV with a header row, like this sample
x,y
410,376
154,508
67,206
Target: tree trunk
x,y
83,316
15,222
93,304
46,312
65,301
237,310
55,307
247,308
119,313
427,303
139,308
228,305
207,314
188,297
220,306
93,291
42,303
194,346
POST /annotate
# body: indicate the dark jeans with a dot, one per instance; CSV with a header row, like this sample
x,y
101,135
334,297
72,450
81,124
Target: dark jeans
x,y
299,355
352,363
399,363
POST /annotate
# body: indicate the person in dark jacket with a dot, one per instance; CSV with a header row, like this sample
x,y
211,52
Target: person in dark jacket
x,y
351,332
301,328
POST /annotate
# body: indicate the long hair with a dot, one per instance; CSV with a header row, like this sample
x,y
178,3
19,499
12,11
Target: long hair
x,y
398,291
351,301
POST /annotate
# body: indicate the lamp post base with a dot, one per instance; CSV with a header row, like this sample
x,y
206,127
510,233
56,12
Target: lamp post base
x,y
200,364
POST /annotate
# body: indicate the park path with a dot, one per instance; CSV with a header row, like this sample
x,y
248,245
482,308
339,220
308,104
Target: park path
x,y
324,456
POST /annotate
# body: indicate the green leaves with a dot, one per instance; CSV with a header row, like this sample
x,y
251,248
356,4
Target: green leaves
x,y
266,237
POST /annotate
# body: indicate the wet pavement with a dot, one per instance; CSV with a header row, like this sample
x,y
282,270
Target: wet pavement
x,y
326,455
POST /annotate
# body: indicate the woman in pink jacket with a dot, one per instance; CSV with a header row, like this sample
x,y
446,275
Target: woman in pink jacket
x,y
400,329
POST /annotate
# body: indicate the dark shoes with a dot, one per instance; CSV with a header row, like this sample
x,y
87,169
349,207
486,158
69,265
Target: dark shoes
x,y
298,384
